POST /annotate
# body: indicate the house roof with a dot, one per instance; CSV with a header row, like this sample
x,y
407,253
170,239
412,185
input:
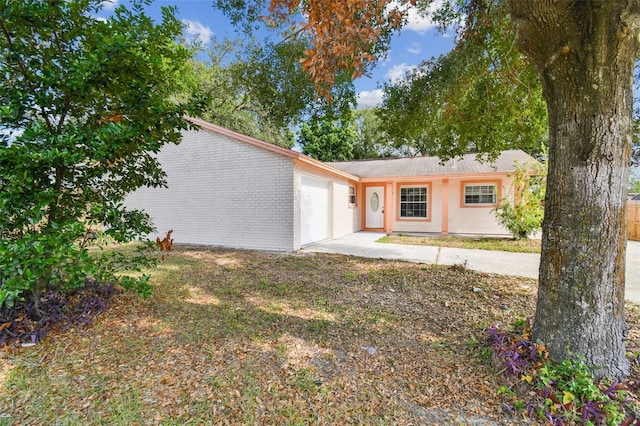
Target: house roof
x,y
430,166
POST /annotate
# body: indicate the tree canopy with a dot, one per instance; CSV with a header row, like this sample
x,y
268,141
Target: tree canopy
x,y
327,140
257,84
259,88
372,141
230,100
482,97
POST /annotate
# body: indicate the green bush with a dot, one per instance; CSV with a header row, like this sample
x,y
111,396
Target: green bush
x,y
524,215
37,259
81,120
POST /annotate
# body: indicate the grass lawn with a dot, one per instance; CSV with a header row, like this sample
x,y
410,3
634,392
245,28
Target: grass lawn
x,y
238,337
480,243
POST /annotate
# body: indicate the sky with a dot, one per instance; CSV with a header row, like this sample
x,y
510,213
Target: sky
x,y
418,41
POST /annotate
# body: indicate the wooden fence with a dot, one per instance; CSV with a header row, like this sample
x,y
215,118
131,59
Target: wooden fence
x,y
633,220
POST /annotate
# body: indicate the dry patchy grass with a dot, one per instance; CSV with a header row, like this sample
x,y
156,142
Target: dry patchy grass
x,y
237,337
479,243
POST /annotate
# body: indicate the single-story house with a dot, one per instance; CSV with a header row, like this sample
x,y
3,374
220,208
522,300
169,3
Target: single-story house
x,y
228,189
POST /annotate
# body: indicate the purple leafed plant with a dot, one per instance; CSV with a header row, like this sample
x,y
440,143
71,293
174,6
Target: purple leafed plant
x,y
521,357
553,420
511,350
613,392
23,323
593,411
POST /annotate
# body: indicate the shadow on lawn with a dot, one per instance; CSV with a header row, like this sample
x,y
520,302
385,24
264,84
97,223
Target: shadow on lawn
x,y
328,303
258,338
244,301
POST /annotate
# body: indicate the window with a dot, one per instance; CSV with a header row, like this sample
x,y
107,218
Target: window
x,y
482,194
352,196
413,202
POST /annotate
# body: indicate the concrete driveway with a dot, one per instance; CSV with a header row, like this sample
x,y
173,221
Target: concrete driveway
x,y
496,262
632,289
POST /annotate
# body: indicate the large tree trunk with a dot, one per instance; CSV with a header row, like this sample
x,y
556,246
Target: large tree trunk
x,y
584,52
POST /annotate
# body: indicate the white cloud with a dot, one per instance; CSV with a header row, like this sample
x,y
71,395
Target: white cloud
x,y
397,72
368,99
416,21
414,48
195,30
109,5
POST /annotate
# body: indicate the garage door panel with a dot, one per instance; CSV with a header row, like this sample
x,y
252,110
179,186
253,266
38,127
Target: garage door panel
x,y
314,210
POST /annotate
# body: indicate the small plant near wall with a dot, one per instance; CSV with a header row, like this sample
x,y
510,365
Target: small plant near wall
x,y
523,215
560,393
165,245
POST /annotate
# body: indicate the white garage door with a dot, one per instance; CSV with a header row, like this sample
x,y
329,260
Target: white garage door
x,y
314,210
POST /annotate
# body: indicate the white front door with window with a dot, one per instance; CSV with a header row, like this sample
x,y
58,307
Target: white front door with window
x,y
374,213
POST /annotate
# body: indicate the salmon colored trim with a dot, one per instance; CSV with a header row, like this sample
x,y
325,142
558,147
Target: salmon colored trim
x,y
429,187
497,183
363,210
318,165
444,198
296,156
388,205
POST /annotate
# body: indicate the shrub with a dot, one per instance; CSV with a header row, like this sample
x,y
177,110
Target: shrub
x,y
524,215
81,119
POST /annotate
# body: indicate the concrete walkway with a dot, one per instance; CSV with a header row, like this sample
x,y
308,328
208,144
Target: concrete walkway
x,y
496,262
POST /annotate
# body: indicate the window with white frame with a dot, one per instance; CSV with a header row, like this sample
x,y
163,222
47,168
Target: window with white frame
x,y
480,194
352,195
413,202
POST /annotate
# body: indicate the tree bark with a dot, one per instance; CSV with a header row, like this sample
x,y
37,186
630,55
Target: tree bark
x,y
584,52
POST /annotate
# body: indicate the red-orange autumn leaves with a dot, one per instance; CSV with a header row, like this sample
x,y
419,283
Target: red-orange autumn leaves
x,y
343,33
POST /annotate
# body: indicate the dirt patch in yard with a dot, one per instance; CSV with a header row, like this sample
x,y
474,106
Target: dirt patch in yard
x,y
237,337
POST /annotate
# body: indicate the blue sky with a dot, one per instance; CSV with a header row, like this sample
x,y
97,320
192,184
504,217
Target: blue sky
x,y
418,41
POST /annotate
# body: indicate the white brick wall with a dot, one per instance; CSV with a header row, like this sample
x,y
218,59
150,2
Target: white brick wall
x,y
223,192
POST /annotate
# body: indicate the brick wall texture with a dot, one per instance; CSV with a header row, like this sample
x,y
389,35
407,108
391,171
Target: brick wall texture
x,y
222,192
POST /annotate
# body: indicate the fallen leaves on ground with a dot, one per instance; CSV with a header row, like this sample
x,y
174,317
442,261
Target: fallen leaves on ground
x,y
240,337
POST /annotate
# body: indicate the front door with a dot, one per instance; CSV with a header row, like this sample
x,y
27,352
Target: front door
x,y
374,213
